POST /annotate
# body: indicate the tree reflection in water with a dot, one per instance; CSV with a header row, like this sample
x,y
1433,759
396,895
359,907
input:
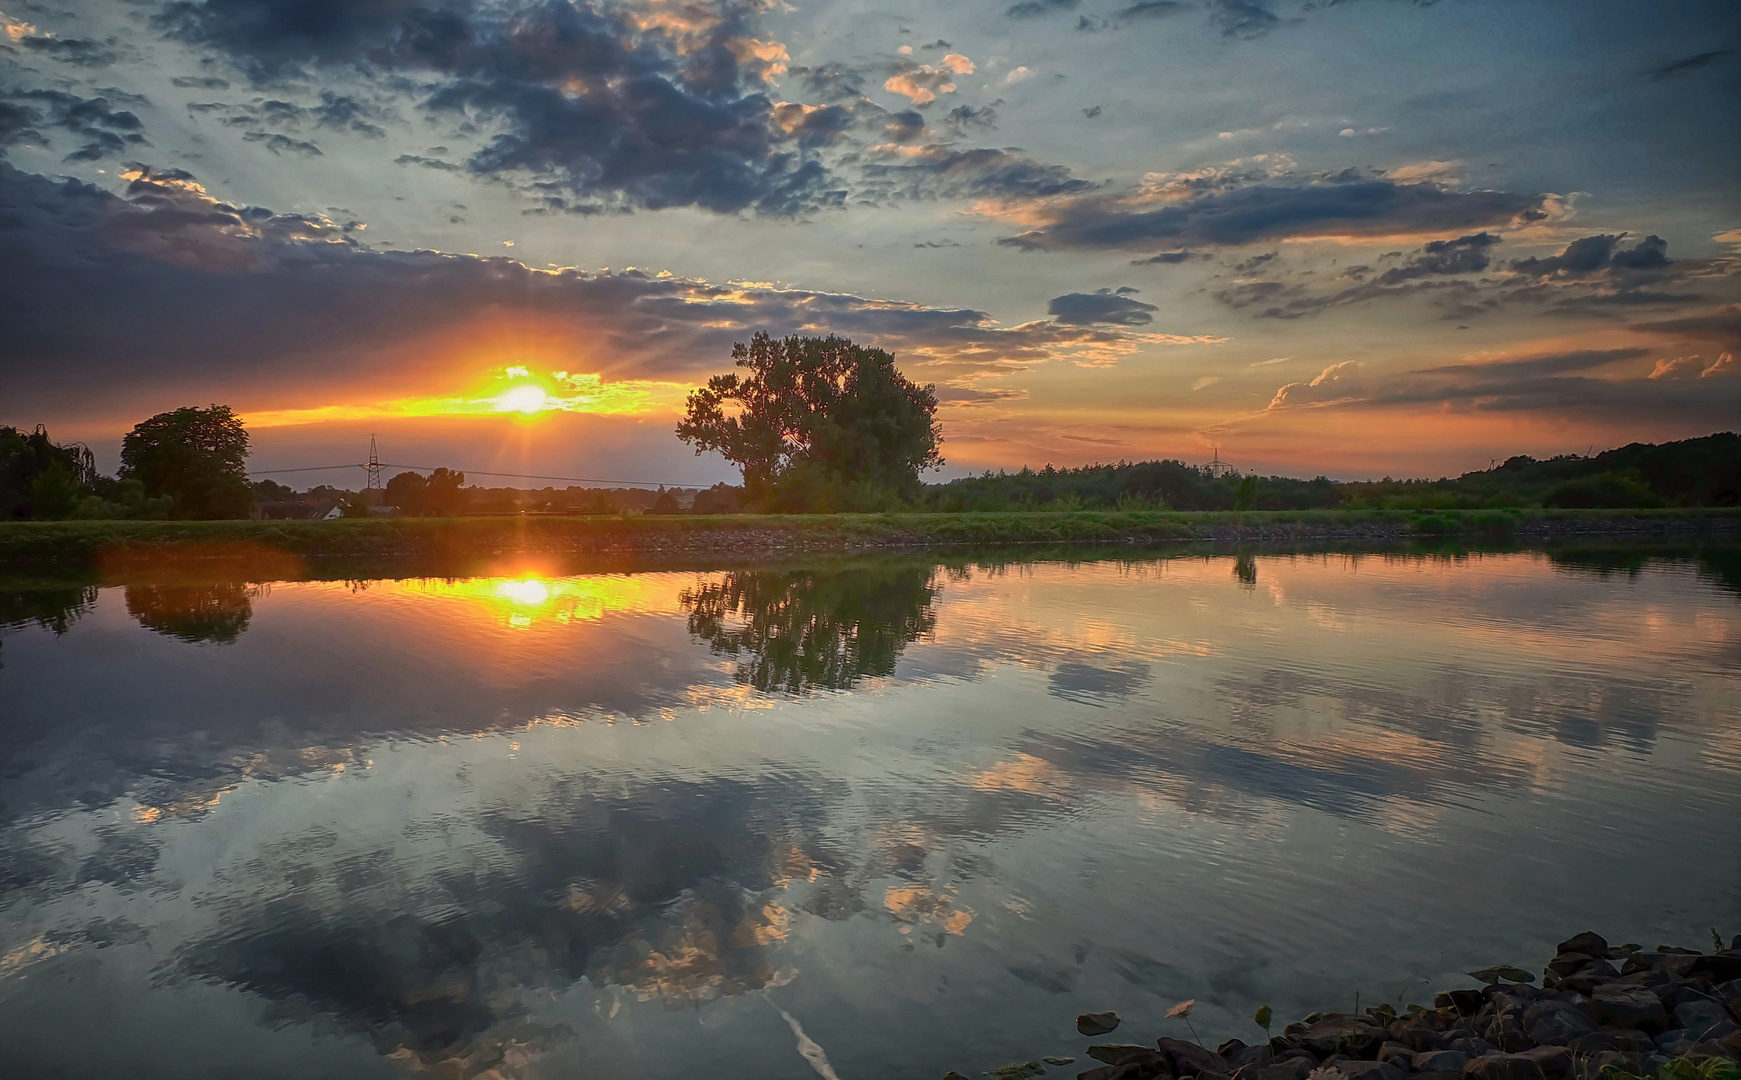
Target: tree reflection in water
x,y
195,613
53,609
797,630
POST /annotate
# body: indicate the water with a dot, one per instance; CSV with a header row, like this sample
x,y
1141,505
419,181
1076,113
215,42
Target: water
x,y
869,820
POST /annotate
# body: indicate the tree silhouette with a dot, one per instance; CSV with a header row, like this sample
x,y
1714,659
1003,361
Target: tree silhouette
x,y
817,424
196,456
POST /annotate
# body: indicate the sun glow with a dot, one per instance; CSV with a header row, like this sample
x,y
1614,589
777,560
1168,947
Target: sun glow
x,y
528,592
526,398
515,392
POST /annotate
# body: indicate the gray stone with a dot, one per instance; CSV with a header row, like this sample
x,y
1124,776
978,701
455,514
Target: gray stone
x,y
1555,1023
1469,1045
1625,1007
1589,943
1343,1034
1441,1061
1591,975
1705,1019
1096,1023
1368,1070
1297,1068
1676,1043
1399,1054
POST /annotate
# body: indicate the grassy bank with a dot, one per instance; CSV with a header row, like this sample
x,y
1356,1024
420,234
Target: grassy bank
x,y
751,536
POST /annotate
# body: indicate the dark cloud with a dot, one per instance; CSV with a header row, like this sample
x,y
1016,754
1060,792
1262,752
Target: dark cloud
x,y
1685,64
1593,276
170,287
200,82
1241,18
1150,9
283,144
937,171
831,82
105,131
1029,9
965,118
1085,309
904,126
1220,210
1091,112
1169,258
1592,254
590,103
1557,383
426,162
79,52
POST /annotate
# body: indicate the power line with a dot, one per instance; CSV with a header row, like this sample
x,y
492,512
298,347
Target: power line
x,y
479,472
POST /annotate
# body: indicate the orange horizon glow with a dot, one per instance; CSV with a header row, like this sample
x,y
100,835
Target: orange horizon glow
x,y
515,392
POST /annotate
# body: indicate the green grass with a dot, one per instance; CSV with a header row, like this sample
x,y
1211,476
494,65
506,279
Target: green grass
x,y
86,541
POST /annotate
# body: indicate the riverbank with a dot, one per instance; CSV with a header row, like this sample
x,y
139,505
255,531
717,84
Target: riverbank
x,y
1600,1011
748,536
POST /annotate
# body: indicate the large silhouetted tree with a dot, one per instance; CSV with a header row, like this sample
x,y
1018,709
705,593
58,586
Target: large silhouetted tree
x,y
40,478
198,457
817,424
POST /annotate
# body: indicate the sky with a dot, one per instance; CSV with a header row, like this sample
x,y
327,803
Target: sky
x,y
1343,237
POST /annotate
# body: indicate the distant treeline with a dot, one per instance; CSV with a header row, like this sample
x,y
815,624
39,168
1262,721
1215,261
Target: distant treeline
x,y
191,464
1692,472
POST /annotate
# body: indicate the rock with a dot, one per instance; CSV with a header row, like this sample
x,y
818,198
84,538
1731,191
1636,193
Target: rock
x,y
1189,1059
1051,1060
1589,943
1507,1033
1368,1070
953,1075
1730,1049
1469,1045
1705,1019
1441,1061
1568,962
1555,1023
1438,1076
1591,975
1719,968
1500,1066
1676,1043
1678,992
1340,1033
1124,1053
1626,1007
1232,1048
1466,1002
1285,1069
1250,1056
1398,1054
1552,1062
1096,1023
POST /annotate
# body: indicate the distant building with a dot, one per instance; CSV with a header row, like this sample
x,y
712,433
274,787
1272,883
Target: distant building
x,y
300,510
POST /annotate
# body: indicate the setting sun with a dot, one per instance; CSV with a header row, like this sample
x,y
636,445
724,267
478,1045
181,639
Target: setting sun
x,y
525,399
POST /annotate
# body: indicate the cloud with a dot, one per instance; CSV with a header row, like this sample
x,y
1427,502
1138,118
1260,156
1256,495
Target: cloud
x,y
1686,64
78,52
1225,208
938,171
200,82
105,131
283,144
1169,258
1338,382
1029,9
1150,9
1018,74
958,63
904,127
1086,309
1241,18
1558,384
921,83
593,106
171,290
1592,254
1695,367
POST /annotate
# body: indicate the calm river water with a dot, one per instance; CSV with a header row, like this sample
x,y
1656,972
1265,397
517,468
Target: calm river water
x,y
874,819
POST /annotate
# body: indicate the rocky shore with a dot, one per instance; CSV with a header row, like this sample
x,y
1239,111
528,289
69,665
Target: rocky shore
x,y
1599,1011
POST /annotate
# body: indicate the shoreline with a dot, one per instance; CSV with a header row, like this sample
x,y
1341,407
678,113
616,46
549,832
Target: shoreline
x,y
1614,1013
661,539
